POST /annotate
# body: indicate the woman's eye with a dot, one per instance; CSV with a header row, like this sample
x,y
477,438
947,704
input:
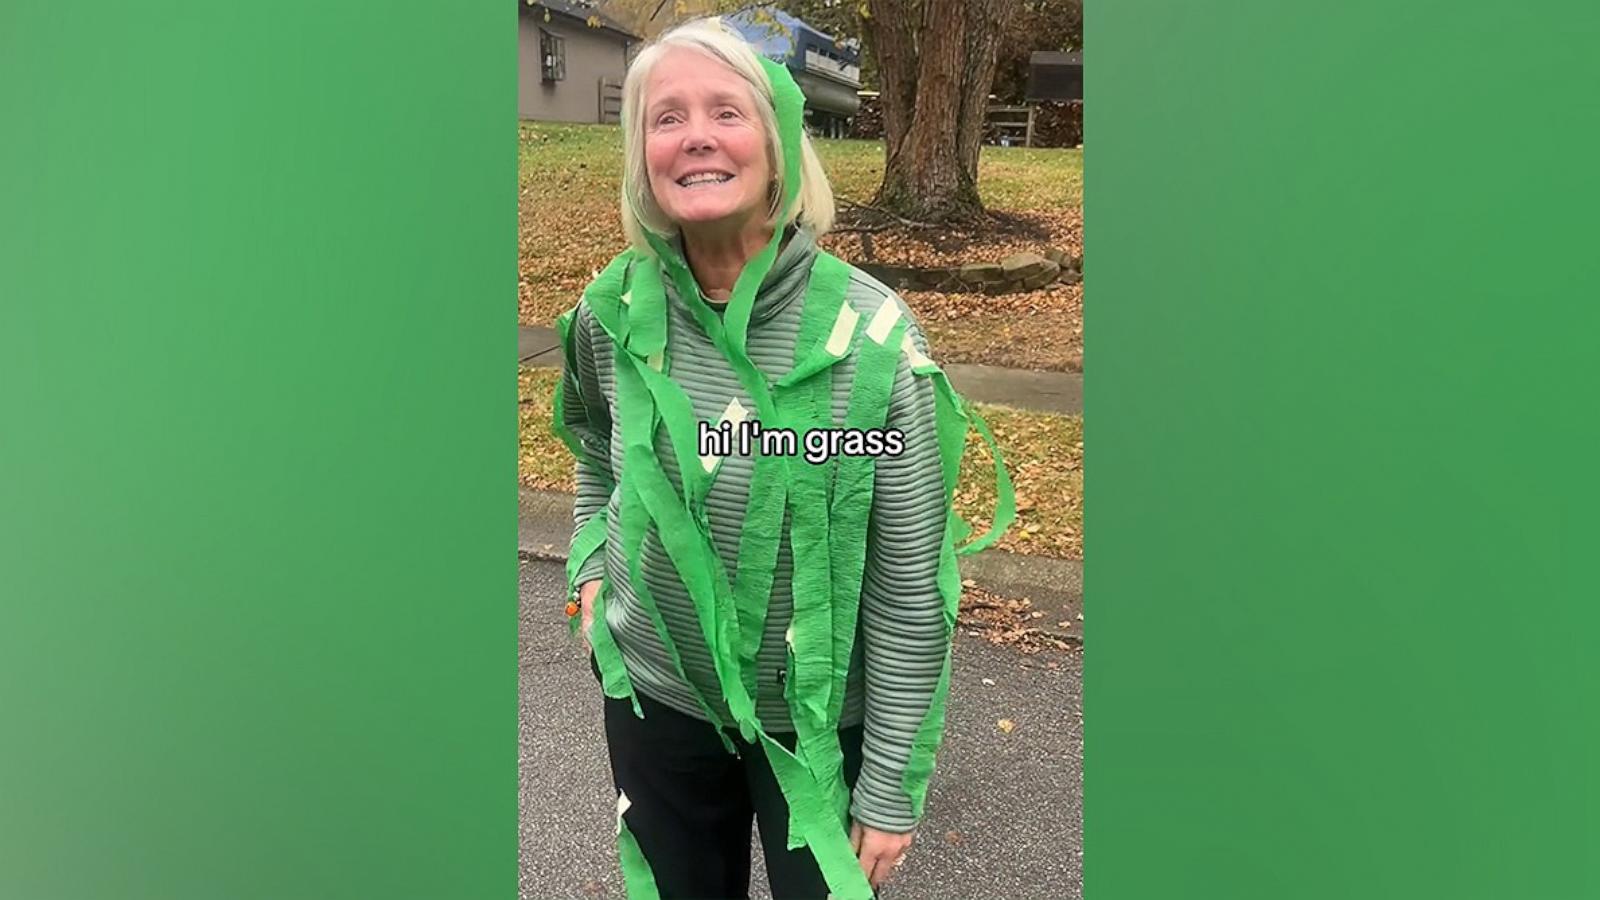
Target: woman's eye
x,y
727,114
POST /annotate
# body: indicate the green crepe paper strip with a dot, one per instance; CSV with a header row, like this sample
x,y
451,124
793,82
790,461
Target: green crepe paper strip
x,y
1006,499
683,536
925,745
953,417
789,105
614,680
770,487
638,429
952,435
843,539
637,878
588,541
647,313
852,501
809,637
592,536
639,426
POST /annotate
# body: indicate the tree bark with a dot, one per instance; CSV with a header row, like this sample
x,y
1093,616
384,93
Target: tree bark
x,y
891,36
936,70
986,22
923,180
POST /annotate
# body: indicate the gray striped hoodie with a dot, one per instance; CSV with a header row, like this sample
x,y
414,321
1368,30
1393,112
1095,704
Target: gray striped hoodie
x,y
901,641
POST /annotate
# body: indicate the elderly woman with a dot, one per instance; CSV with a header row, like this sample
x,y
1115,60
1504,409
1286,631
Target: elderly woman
x,y
771,632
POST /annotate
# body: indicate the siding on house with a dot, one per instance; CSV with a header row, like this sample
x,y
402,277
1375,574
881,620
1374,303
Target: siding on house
x,y
592,54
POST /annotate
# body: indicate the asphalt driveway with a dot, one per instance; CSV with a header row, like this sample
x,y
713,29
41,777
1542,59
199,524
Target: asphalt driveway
x,y
1004,819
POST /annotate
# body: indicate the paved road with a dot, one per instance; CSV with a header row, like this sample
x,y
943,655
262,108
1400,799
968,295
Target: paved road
x,y
1004,811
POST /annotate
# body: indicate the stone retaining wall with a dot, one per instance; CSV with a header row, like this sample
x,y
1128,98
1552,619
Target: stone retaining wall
x,y
1015,273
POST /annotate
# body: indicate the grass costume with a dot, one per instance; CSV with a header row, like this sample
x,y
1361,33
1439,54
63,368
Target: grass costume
x,y
705,558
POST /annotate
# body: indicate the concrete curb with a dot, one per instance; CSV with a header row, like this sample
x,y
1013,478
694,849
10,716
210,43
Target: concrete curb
x,y
544,529
1050,392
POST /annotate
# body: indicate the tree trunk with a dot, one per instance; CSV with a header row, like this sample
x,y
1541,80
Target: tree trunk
x,y
936,69
922,177
986,22
891,38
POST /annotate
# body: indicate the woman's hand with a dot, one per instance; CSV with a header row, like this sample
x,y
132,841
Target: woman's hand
x,y
586,595
879,851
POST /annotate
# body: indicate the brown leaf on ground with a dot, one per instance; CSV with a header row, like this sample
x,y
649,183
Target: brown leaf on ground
x,y
569,224
1015,232
1040,329
1042,341
1003,620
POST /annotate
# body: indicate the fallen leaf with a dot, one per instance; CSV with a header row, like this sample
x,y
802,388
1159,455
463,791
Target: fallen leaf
x,y
952,837
1006,725
989,682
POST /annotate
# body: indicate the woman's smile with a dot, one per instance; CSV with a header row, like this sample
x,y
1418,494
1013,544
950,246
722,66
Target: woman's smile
x,y
705,180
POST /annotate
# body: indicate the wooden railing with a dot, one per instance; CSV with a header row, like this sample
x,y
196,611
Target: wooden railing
x,y
1014,123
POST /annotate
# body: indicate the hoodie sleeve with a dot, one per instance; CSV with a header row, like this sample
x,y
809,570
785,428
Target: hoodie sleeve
x,y
902,612
588,415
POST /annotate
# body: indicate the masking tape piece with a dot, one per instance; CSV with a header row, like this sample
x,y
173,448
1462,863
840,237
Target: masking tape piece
x,y
622,806
884,321
914,355
734,414
627,297
843,327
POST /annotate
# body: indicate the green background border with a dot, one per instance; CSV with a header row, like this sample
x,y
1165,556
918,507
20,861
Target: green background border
x,y
1341,528
257,437
257,430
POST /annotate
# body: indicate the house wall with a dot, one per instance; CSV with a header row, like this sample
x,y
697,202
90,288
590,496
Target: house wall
x,y
592,53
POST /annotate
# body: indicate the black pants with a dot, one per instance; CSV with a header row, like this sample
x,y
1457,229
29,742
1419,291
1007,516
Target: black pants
x,y
690,804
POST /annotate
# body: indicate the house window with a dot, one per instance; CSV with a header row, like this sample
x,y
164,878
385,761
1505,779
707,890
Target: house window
x,y
552,56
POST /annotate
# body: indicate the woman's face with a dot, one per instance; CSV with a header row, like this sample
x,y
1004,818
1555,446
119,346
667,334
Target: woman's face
x,y
705,148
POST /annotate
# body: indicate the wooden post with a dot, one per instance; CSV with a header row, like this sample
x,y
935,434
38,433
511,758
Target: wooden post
x,y
1029,141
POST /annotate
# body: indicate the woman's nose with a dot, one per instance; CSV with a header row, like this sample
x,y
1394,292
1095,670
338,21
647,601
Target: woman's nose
x,y
698,136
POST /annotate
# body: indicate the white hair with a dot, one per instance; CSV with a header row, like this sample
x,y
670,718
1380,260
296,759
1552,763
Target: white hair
x,y
813,206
